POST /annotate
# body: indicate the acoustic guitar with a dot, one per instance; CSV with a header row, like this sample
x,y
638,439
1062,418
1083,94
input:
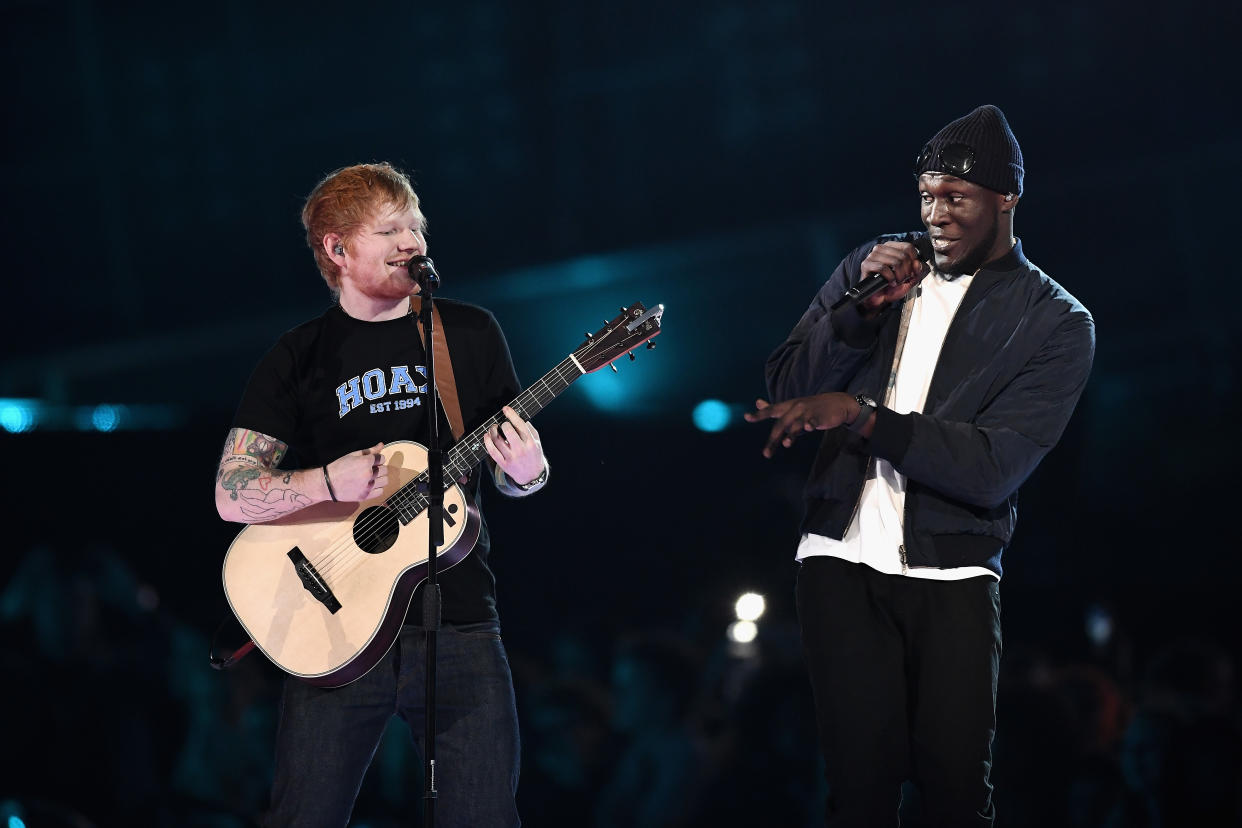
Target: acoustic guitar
x,y
323,592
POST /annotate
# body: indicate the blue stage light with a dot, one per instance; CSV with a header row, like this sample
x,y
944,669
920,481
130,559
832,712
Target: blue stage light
x,y
17,416
712,415
107,417
606,392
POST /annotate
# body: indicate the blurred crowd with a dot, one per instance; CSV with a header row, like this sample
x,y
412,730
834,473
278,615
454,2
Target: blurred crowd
x,y
114,717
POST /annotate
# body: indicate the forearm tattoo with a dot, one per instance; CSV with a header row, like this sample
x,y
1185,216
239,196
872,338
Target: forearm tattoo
x,y
268,451
235,478
247,472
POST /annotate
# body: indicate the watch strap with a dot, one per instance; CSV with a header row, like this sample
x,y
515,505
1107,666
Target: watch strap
x,y
526,487
866,406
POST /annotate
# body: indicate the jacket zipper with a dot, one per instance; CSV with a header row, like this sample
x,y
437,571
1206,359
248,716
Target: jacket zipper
x,y
861,489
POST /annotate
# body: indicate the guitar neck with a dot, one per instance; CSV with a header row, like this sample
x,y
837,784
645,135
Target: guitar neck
x,y
470,451
411,499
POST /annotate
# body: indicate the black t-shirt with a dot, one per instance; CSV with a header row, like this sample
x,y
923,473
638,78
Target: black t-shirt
x,y
336,384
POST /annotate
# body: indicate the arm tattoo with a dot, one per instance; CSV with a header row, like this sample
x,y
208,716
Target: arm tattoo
x,y
235,479
248,473
272,504
266,450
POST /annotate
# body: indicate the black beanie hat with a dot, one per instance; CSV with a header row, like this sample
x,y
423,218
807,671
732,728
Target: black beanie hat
x,y
997,162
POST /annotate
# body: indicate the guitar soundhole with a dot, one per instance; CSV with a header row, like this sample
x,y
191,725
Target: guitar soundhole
x,y
376,529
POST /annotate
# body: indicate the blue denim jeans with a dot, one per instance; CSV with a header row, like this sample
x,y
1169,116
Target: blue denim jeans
x,y
327,737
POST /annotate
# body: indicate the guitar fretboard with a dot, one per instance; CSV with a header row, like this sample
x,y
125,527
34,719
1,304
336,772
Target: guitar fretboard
x,y
413,498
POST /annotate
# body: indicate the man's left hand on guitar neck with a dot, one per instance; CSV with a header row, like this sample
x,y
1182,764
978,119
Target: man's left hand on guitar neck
x,y
515,448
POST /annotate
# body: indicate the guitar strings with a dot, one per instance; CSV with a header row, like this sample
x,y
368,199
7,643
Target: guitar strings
x,y
347,554
410,496
344,554
566,369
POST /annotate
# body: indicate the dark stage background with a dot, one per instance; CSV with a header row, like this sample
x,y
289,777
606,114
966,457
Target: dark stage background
x,y
717,157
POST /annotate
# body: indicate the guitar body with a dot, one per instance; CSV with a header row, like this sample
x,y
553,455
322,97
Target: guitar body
x,y
324,591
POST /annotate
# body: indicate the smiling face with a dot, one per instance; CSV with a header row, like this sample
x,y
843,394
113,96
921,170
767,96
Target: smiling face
x,y
341,204
969,225
375,259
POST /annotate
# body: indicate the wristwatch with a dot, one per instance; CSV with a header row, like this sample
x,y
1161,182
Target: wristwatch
x,y
526,487
866,406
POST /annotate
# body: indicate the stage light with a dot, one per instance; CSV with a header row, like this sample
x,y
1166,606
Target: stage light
x,y
1099,625
749,607
606,392
103,417
22,415
107,417
712,415
111,417
17,416
743,632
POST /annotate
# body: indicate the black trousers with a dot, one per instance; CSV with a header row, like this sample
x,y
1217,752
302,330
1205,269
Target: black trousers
x,y
904,673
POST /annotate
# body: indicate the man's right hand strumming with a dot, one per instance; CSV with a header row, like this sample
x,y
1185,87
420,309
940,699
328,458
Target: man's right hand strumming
x,y
251,489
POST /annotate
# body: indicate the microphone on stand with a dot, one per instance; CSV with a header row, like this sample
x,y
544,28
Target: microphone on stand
x,y
423,272
876,282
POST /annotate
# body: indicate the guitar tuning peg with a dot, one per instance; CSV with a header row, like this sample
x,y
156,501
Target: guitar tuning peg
x,y
589,336
613,366
622,311
632,357
650,344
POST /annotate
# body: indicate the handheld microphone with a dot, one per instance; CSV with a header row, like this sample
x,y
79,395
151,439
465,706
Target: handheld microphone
x,y
423,272
876,282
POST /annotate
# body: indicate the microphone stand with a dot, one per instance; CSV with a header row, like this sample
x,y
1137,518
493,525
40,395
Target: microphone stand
x,y
423,272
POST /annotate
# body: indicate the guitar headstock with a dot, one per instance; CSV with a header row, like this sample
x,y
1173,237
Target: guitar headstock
x,y
634,326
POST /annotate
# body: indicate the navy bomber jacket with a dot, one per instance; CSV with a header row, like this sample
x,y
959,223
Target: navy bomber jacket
x,y
1014,362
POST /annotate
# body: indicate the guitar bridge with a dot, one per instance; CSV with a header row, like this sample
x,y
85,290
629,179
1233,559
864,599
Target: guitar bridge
x,y
311,580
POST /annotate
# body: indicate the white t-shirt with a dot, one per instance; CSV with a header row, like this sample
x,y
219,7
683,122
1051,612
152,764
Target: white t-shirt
x,y
875,534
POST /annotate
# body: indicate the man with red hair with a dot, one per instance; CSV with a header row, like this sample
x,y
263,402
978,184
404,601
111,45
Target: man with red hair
x,y
325,399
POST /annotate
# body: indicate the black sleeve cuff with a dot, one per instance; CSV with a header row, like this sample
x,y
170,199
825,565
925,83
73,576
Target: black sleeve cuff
x,y
891,435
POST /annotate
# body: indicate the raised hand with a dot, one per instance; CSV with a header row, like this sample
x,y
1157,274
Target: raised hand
x,y
899,263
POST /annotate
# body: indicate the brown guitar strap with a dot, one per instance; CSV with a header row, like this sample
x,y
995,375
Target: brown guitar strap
x,y
446,383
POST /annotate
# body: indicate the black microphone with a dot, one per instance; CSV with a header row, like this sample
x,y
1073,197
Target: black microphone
x,y
876,282
423,272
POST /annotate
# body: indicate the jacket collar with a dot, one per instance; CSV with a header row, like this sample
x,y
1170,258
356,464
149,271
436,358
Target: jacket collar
x,y
1009,262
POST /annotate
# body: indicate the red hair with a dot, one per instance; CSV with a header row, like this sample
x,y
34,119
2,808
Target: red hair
x,y
347,199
